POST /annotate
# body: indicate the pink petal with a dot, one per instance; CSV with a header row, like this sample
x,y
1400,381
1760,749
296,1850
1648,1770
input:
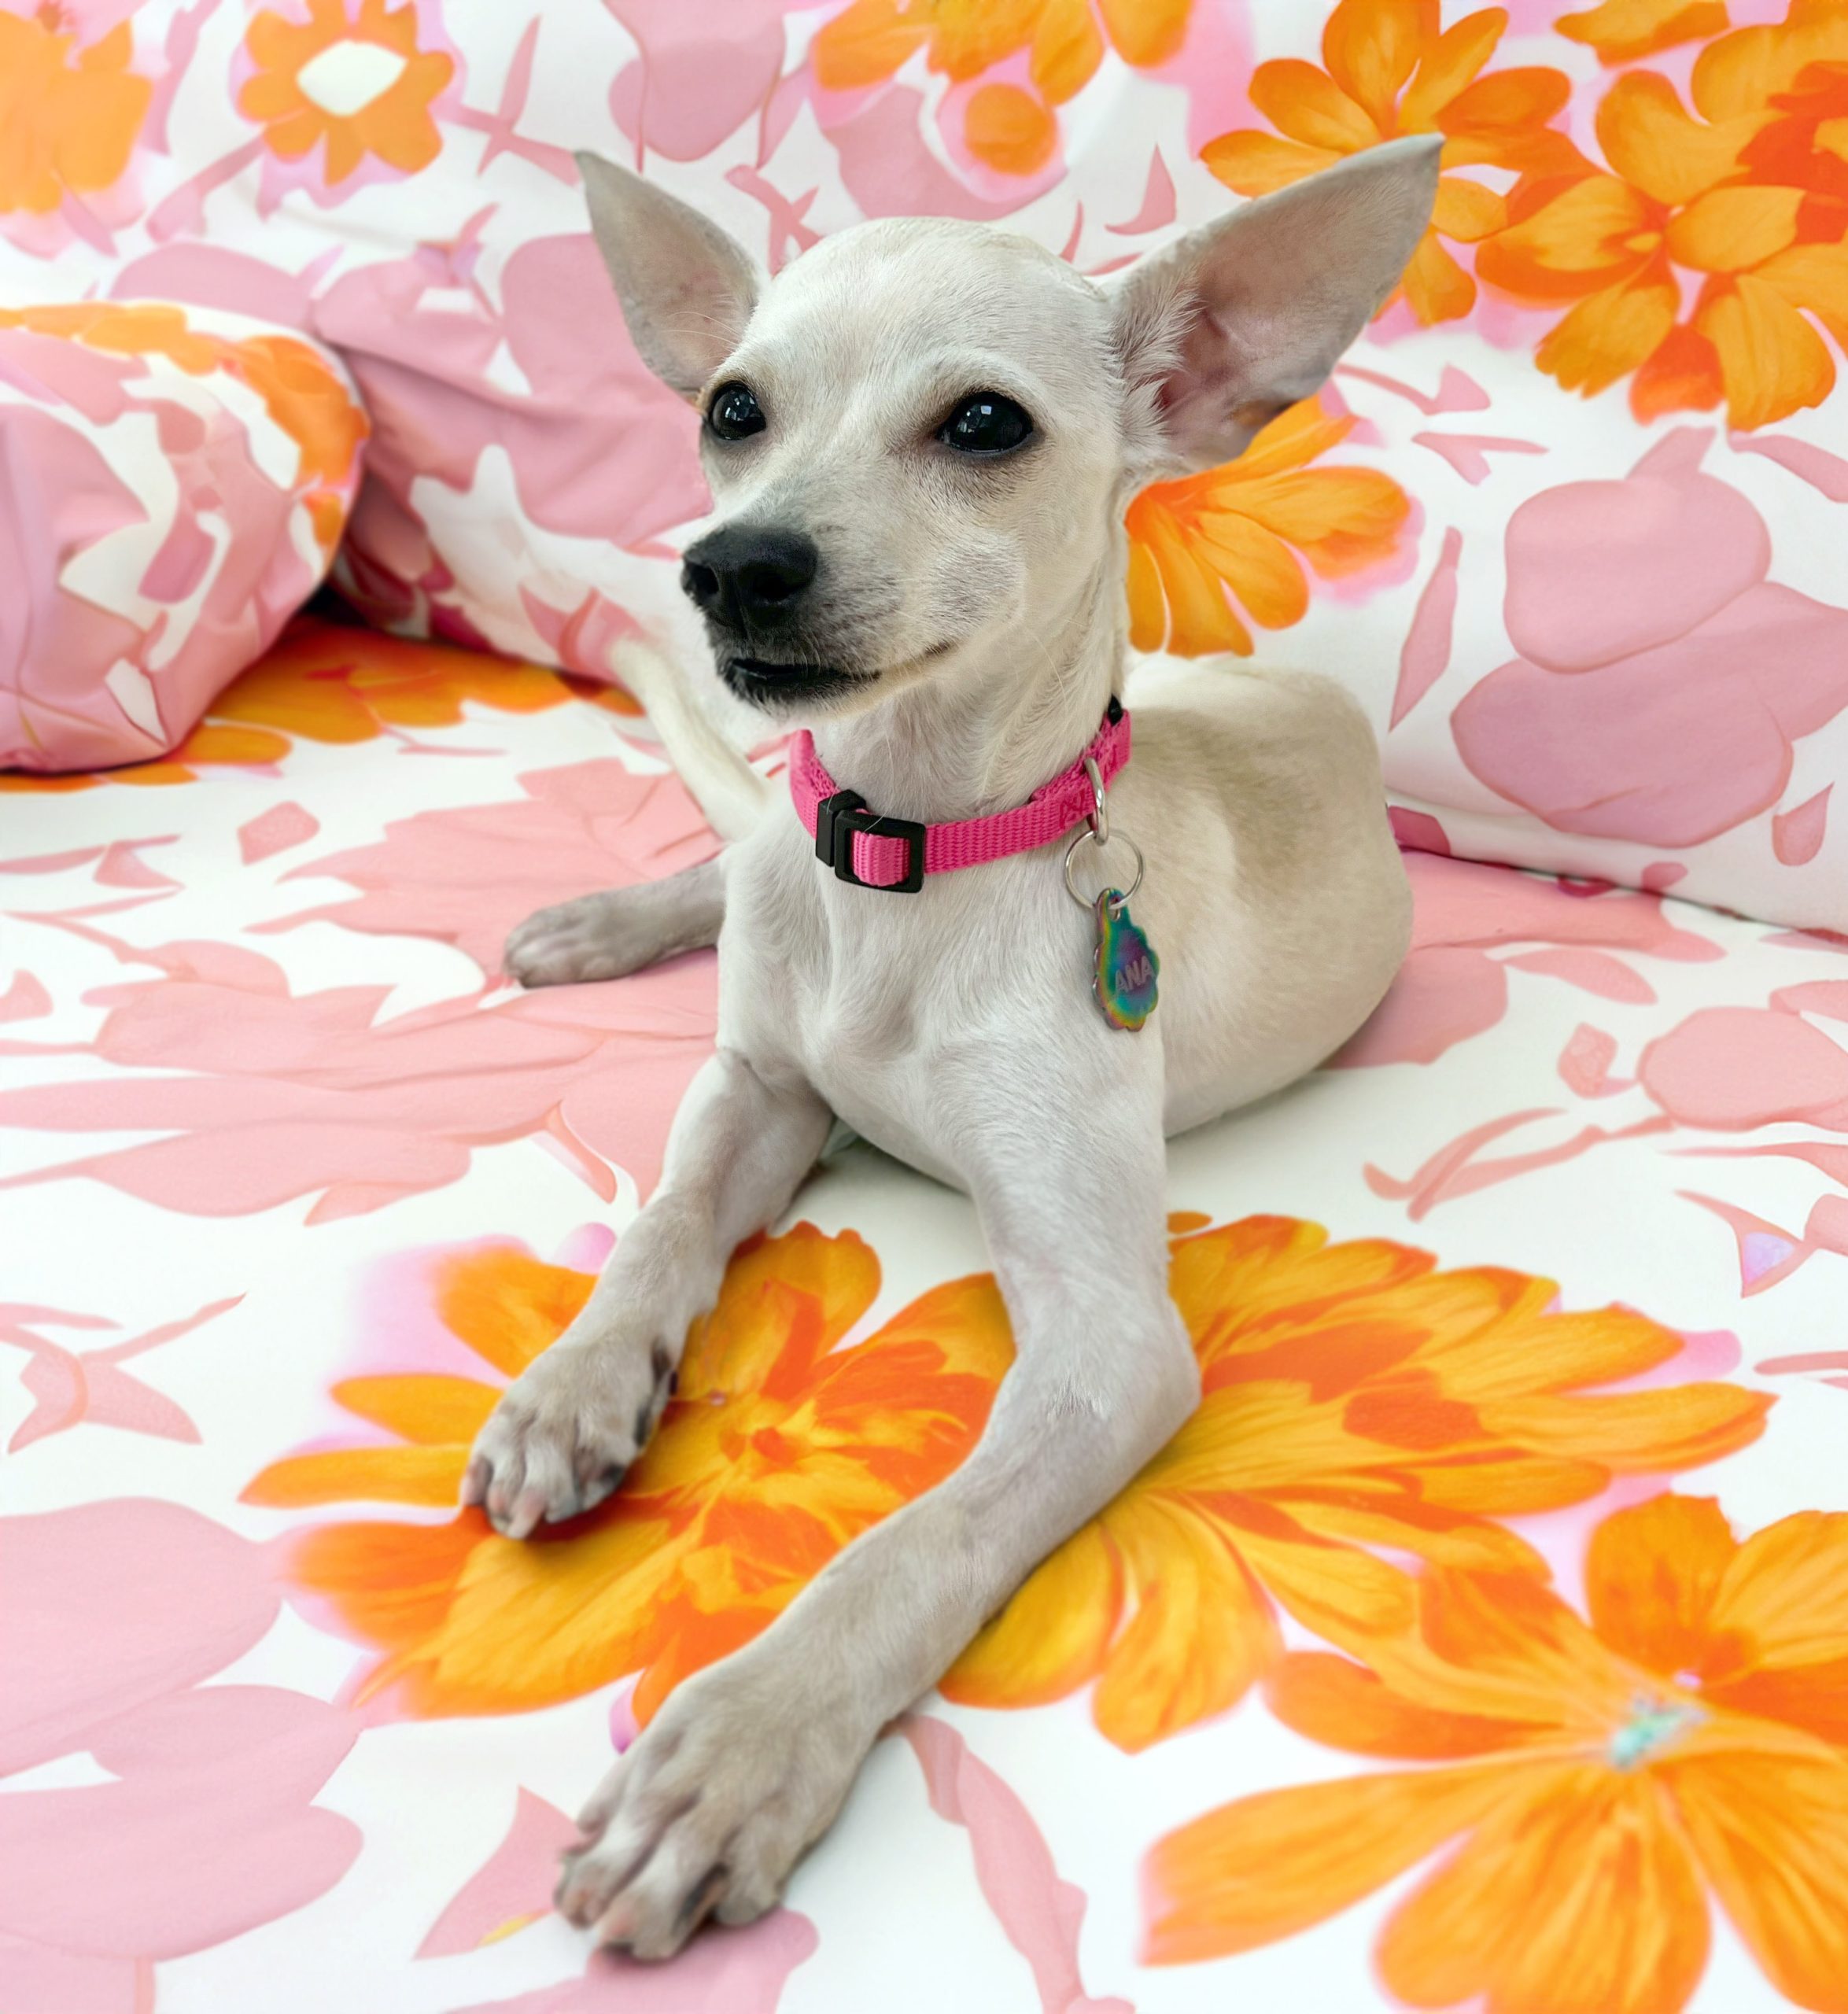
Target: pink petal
x,y
110,1606
514,1884
1595,971
1443,994
1041,1914
1426,651
274,831
1797,835
1586,1061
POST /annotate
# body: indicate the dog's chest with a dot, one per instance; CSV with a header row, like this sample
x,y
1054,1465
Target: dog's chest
x,y
889,1004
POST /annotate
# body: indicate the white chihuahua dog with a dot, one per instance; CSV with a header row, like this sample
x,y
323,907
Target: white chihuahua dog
x,y
920,440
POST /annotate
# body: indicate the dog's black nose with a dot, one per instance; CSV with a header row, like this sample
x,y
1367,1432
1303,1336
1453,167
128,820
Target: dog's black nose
x,y
749,578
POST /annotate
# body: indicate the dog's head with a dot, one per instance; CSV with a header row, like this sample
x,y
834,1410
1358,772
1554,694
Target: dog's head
x,y
919,435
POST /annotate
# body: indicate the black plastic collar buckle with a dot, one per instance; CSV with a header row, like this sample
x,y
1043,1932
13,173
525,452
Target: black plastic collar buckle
x,y
838,817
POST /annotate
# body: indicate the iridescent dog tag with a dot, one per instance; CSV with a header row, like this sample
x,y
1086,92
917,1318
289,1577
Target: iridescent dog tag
x,y
1126,965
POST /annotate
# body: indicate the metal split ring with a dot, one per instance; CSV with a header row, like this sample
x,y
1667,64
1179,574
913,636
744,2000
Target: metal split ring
x,y
1078,840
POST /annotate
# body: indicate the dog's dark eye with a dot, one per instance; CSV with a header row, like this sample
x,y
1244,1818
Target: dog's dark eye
x,y
985,423
735,414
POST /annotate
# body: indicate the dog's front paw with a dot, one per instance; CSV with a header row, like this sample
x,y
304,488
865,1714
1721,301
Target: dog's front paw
x,y
710,1809
572,941
566,1431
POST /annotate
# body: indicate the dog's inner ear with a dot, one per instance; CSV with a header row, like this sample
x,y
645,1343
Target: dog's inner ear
x,y
686,288
1235,321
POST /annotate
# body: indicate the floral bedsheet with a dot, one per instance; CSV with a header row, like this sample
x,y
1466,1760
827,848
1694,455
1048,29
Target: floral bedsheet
x,y
1483,1641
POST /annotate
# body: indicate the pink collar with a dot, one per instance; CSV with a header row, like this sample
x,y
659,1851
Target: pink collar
x,y
898,852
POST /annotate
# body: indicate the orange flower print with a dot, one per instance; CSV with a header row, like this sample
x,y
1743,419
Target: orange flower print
x,y
1622,30
1009,128
358,87
1391,68
1354,1397
69,117
326,682
1206,546
780,1447
1743,202
1589,1786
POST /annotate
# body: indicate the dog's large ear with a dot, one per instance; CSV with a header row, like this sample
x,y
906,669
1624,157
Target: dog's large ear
x,y
686,289
1226,327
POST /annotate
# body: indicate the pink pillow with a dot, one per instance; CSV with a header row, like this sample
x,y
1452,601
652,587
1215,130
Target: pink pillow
x,y
173,483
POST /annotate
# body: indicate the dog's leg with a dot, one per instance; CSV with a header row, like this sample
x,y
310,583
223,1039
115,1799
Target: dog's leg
x,y
749,1761
574,1419
619,930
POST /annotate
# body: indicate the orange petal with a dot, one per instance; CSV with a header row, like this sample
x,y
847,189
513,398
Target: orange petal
x,y
1147,607
1201,619
692,1639
1683,373
1236,1285
1729,230
1348,1598
1771,361
1503,110
1344,1706
1772,1834
1052,1637
1201,1634
378,1475
1622,30
1814,277
307,401
1651,1575
864,43
1260,570
241,745
1505,1647
1573,244
1502,1329
1779,1625
57,786
1270,1865
430,1411
476,1623
1610,333
1009,129
1576,1892
1371,48
1145,32
506,1305
1066,49
1298,435
1436,286
279,690
1466,210
784,1303
1306,104
1505,1482
1404,1517
1255,164
1678,1426
87,124
1342,518
963,1322
968,35
391,1583
1650,139
1740,74
1449,65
